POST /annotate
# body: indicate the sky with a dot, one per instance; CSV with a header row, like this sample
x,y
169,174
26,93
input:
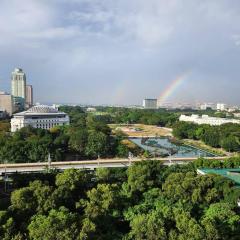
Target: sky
x,y
122,51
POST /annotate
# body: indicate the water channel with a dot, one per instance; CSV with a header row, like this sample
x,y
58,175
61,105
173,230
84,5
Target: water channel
x,y
165,147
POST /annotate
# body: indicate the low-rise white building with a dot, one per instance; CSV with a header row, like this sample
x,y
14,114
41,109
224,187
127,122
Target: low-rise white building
x,y
91,109
237,115
205,119
40,116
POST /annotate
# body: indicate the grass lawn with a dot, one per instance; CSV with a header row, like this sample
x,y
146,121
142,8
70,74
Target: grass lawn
x,y
202,145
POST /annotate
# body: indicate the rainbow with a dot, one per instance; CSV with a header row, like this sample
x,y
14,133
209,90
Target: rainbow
x,y
171,88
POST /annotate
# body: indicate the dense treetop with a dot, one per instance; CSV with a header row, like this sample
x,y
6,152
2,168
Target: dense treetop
x,y
226,136
145,201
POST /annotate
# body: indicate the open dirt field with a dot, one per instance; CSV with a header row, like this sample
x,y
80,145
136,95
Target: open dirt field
x,y
141,130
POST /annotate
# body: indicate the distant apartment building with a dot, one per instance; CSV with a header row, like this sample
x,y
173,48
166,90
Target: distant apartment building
x,y
6,103
40,116
205,119
237,115
150,103
221,107
232,109
206,106
203,106
29,96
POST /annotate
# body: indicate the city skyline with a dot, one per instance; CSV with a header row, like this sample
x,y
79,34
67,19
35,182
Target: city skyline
x,y
100,52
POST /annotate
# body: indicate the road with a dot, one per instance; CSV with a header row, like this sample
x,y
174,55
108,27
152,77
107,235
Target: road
x,y
88,164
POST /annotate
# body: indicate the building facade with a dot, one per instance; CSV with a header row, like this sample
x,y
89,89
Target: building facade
x,y
205,119
29,96
41,116
221,106
206,106
237,115
18,83
6,103
150,103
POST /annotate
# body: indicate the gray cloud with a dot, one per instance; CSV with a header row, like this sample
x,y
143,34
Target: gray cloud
x,y
107,51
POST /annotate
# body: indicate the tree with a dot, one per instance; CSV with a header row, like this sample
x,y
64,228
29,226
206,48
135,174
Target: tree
x,y
24,199
14,151
97,144
180,130
144,175
101,201
122,150
222,218
88,230
73,179
38,150
58,225
231,144
148,226
101,211
188,227
103,174
78,140
95,124
42,193
212,137
9,230
62,196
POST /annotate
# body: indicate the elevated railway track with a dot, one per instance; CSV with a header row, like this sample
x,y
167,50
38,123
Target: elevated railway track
x,y
89,164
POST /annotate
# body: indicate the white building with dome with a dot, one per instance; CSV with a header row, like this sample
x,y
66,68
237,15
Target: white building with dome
x,y
40,116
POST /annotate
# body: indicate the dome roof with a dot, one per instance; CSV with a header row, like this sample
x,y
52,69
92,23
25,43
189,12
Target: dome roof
x,y
42,109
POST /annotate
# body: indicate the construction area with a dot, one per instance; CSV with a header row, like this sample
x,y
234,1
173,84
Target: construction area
x,y
141,130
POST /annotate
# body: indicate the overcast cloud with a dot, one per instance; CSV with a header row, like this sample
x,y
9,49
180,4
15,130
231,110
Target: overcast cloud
x,y
121,51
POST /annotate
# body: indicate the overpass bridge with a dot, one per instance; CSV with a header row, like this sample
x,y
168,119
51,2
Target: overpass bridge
x,y
89,164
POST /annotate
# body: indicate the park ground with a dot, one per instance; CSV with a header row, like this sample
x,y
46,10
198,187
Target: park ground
x,y
202,145
141,130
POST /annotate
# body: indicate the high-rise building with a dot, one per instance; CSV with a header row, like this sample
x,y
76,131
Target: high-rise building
x,y
150,103
29,96
19,87
6,103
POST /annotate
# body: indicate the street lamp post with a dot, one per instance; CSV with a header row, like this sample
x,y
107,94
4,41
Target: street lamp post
x,y
170,159
49,162
5,177
130,156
